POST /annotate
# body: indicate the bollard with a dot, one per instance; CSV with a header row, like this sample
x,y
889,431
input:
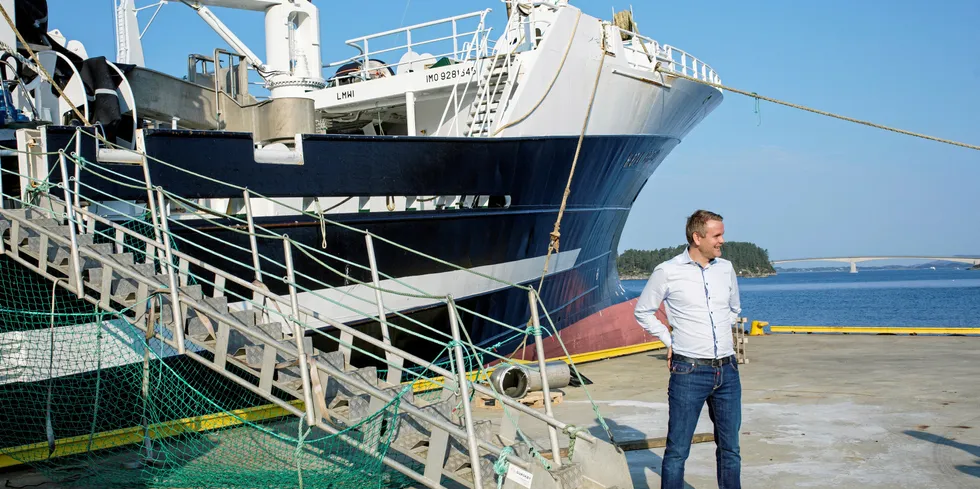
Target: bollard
x,y
758,328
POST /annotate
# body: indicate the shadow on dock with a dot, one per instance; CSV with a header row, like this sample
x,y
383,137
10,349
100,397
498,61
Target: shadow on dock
x,y
641,460
974,450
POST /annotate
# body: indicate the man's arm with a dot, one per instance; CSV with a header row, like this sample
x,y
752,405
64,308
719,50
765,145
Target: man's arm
x,y
734,301
646,307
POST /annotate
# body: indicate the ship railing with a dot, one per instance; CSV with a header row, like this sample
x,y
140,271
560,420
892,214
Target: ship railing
x,y
676,60
455,96
91,210
458,46
687,65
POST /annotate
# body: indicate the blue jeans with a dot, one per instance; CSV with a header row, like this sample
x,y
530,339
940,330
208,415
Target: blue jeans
x,y
690,386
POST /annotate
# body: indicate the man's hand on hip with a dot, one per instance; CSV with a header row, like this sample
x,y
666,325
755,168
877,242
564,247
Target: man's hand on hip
x,y
670,353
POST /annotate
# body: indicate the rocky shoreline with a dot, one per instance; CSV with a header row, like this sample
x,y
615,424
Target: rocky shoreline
x,y
743,274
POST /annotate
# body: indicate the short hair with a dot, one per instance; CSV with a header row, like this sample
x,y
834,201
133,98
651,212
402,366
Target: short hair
x,y
698,222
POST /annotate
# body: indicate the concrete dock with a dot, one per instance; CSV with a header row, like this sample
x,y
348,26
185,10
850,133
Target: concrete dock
x,y
818,411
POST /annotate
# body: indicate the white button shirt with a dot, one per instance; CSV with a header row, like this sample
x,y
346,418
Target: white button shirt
x,y
702,304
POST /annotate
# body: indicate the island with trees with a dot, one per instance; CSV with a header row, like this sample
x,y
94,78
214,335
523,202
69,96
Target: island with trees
x,y
748,259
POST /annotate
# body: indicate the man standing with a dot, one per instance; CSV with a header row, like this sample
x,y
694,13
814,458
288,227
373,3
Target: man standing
x,y
700,292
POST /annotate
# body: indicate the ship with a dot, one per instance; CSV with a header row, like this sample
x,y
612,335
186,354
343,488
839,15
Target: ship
x,y
464,139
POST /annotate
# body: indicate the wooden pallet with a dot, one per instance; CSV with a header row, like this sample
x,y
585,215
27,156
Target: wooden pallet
x,y
739,339
533,400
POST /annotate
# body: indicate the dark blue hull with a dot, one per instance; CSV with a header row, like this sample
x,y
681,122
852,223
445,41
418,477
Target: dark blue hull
x,y
610,172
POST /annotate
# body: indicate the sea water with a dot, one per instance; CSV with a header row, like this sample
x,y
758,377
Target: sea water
x,y
941,298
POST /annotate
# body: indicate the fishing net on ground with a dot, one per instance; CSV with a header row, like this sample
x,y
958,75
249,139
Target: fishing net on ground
x,y
88,402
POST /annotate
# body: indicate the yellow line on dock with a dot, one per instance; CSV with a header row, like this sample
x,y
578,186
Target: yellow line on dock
x,y
126,436
611,352
37,452
891,330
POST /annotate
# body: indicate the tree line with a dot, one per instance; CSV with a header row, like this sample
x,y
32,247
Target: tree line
x,y
748,259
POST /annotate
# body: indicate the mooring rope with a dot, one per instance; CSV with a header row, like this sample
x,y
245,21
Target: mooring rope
x,y
756,96
555,234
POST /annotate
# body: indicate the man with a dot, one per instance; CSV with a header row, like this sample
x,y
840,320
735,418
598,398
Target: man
x,y
700,294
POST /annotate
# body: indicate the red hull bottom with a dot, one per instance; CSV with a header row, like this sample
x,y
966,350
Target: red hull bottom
x,y
612,327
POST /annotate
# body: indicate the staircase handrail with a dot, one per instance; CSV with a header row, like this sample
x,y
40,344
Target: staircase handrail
x,y
288,350
285,348
454,96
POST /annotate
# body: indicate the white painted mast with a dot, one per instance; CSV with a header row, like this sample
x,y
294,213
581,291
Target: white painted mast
x,y
129,49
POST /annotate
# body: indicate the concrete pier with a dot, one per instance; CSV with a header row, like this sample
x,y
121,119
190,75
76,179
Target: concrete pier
x,y
818,411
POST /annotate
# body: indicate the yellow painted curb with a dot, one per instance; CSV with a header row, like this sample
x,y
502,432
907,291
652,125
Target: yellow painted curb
x,y
891,330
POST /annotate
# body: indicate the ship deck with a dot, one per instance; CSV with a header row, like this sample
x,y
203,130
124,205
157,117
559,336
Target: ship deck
x,y
818,411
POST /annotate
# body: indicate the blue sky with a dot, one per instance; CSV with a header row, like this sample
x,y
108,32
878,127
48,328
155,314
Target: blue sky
x,y
795,183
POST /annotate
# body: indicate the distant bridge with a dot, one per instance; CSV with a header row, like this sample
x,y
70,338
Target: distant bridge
x,y
854,260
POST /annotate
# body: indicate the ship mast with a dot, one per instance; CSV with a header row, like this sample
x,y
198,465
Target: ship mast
x,y
292,41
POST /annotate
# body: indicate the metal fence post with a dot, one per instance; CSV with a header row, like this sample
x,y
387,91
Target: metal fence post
x,y
464,393
256,262
394,361
251,237
546,390
171,273
304,369
150,201
72,228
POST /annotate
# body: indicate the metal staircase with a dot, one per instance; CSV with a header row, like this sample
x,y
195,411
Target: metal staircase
x,y
272,358
496,84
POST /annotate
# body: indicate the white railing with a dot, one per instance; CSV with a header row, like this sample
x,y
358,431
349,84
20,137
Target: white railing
x,y
680,62
674,59
465,45
454,96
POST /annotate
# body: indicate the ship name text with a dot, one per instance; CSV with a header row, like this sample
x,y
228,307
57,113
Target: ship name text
x,y
449,74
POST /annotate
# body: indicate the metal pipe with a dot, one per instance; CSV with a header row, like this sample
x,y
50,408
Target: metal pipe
x,y
225,33
546,390
72,230
464,393
150,200
410,112
78,152
394,373
217,88
304,369
256,263
352,42
171,275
